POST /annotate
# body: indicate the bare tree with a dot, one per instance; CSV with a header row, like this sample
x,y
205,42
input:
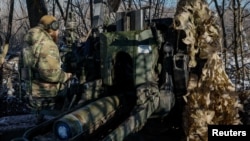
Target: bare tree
x,y
233,18
10,22
221,12
60,8
36,9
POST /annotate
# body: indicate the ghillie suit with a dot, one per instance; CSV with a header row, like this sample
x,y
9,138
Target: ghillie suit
x,y
211,97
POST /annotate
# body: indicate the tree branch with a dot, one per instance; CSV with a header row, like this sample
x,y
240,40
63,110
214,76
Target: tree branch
x,y
60,9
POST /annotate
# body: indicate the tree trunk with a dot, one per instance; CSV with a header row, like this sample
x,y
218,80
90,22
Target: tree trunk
x,y
10,22
221,13
36,9
236,40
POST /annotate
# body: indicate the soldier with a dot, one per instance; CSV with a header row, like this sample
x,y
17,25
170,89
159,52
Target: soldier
x,y
45,81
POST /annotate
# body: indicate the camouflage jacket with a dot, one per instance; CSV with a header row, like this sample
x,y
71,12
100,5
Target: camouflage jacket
x,y
41,56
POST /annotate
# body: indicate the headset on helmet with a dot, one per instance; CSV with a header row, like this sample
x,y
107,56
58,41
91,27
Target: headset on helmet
x,y
54,26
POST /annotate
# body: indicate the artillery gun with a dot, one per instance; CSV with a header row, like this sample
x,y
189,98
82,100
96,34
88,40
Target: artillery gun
x,y
132,71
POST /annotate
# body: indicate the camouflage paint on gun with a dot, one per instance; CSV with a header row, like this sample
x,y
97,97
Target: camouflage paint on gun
x,y
88,119
147,104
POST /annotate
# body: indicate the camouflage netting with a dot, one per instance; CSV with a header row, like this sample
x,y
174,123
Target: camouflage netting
x,y
211,97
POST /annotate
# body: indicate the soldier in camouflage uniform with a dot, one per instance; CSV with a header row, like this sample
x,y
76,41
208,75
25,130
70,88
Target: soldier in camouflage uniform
x,y
41,71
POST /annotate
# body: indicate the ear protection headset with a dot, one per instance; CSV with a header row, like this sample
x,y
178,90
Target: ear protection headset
x,y
54,26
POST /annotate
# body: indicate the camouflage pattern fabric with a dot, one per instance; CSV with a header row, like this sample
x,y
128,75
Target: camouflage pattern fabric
x,y
41,56
4,49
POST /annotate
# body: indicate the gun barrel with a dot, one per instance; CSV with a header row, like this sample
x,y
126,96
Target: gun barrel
x,y
87,119
136,121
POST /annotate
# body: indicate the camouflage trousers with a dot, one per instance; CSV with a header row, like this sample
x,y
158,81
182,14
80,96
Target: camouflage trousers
x,y
48,104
